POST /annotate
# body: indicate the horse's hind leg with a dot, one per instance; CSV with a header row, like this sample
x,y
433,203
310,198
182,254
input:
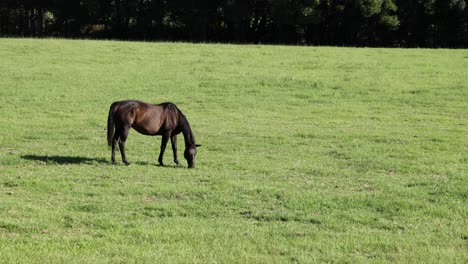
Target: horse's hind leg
x,y
114,142
123,138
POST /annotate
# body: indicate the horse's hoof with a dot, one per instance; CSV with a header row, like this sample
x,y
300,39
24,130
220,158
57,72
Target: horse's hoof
x,y
127,164
176,162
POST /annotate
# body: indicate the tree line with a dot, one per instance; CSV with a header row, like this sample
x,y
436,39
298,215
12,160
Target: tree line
x,y
406,23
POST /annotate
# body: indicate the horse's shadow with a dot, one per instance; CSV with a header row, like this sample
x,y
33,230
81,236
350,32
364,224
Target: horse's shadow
x,y
67,160
146,163
63,160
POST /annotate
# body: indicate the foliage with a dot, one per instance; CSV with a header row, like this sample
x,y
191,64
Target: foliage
x,y
429,23
309,154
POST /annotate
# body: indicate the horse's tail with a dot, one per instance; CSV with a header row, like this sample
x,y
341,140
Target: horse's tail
x,y
110,123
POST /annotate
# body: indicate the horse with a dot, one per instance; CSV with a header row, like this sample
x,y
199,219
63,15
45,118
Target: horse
x,y
163,119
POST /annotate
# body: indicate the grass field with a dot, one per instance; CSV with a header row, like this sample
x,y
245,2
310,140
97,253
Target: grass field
x,y
310,154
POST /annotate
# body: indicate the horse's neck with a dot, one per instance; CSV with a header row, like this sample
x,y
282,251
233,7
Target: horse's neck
x,y
187,132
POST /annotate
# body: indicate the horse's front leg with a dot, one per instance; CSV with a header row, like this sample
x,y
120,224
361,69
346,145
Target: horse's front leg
x,y
174,148
164,140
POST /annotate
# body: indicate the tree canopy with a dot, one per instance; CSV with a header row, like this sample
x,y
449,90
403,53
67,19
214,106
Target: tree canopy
x,y
408,23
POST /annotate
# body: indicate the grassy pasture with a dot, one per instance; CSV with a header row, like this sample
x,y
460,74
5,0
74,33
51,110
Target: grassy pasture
x,y
310,154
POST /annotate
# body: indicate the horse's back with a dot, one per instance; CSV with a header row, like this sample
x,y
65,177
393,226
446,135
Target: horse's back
x,y
146,118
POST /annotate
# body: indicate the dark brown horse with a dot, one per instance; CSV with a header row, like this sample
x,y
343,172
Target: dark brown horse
x,y
163,119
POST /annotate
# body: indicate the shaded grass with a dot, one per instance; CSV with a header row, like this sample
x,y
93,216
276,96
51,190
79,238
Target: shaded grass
x,y
310,154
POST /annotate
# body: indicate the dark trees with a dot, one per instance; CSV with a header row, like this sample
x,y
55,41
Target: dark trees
x,y
409,23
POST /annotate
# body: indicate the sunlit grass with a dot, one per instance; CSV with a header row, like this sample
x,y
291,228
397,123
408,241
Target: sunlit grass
x,y
310,154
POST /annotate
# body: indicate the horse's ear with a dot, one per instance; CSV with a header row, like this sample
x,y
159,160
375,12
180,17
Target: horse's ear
x,y
197,145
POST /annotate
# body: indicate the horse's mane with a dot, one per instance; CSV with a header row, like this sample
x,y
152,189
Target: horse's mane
x,y
182,120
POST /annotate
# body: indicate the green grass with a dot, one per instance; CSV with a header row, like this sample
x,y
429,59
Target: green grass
x,y
310,154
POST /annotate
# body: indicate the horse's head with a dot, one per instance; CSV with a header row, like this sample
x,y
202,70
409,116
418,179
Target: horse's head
x,y
190,154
